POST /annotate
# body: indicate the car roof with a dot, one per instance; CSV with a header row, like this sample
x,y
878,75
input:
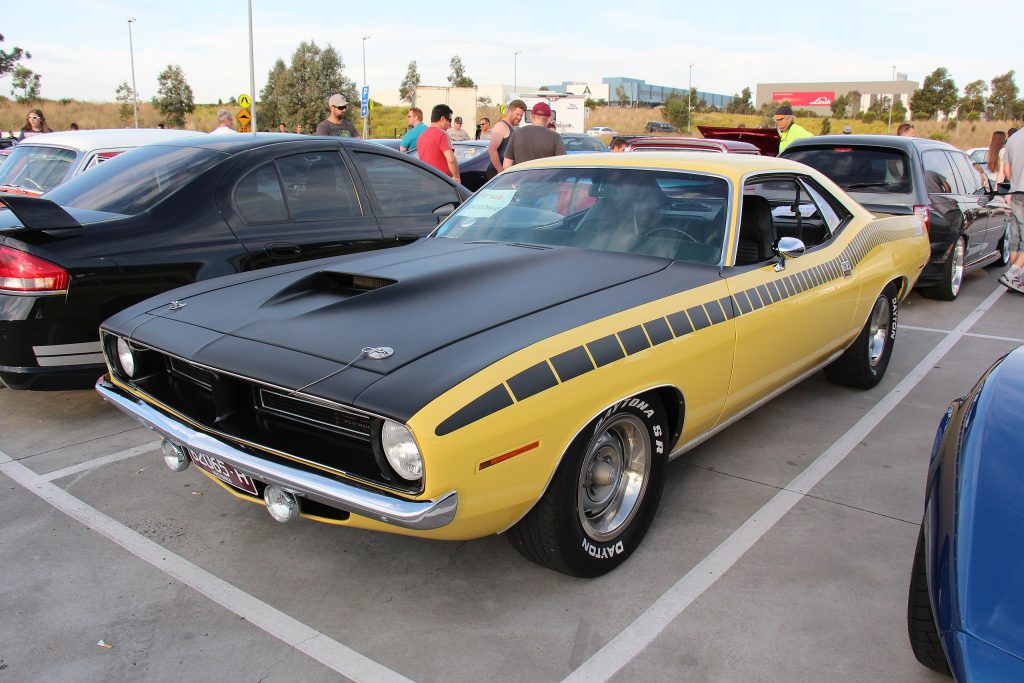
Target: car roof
x,y
107,138
232,144
903,142
731,165
682,140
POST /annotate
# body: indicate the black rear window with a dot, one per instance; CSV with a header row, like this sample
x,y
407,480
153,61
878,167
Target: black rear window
x,y
135,181
869,170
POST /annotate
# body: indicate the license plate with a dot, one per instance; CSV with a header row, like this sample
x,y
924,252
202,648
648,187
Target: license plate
x,y
223,471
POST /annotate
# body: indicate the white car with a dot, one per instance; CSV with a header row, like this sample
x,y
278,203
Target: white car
x,y
601,130
41,162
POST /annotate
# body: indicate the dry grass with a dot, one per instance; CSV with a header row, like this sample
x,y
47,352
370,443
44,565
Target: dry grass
x,y
389,122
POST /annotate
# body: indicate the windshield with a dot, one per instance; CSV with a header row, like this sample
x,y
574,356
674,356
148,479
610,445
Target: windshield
x,y
583,143
36,168
467,152
860,170
668,214
135,181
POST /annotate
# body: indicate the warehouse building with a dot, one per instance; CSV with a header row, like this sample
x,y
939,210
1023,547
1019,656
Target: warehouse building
x,y
818,97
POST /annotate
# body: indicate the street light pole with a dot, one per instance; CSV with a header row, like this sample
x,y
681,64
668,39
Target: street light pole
x,y
689,103
367,117
515,70
892,102
131,53
252,75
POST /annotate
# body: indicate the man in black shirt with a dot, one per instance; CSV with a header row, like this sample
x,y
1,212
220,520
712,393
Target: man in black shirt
x,y
335,123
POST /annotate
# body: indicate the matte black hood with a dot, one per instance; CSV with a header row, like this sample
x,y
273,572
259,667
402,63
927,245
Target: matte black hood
x,y
414,299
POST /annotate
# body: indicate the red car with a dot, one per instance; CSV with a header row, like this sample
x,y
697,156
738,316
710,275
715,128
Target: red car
x,y
662,144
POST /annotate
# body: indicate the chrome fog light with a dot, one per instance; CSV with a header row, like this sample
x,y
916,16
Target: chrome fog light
x,y
282,506
125,357
401,450
175,456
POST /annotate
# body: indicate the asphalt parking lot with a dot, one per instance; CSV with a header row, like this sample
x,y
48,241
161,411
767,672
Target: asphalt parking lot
x,y
781,552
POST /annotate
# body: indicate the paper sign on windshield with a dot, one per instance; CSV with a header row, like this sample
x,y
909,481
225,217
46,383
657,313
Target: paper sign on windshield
x,y
487,203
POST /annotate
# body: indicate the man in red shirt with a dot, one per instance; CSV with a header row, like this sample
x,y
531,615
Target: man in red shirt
x,y
433,147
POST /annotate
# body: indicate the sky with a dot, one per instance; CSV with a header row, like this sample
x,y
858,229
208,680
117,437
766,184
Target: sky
x,y
82,49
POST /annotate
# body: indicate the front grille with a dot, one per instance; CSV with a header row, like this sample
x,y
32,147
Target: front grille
x,y
315,413
313,433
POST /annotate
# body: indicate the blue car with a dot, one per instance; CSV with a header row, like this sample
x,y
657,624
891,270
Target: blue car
x,y
965,612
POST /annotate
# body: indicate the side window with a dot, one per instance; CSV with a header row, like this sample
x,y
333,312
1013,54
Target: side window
x,y
402,188
972,183
938,174
318,186
832,212
794,211
258,197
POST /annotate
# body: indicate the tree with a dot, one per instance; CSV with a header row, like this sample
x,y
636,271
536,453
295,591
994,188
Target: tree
x,y
620,94
458,77
125,97
839,105
484,101
173,96
314,75
9,60
677,111
826,126
972,103
25,80
938,94
407,90
1003,99
272,108
741,104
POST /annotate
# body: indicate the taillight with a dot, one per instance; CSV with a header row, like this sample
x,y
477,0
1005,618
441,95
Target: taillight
x,y
21,272
922,213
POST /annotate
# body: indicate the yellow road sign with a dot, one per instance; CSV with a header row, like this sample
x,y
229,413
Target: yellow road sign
x,y
244,129
243,117
244,101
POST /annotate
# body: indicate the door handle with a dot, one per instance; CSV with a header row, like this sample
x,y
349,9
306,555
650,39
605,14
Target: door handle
x,y
282,249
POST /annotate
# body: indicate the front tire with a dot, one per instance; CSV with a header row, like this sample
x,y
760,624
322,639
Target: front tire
x,y
924,636
952,274
604,494
863,364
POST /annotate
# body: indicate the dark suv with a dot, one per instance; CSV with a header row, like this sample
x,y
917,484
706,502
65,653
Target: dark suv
x,y
968,223
658,127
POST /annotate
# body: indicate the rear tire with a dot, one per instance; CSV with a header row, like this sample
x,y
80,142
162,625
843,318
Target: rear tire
x,y
952,274
604,494
1004,248
924,636
863,364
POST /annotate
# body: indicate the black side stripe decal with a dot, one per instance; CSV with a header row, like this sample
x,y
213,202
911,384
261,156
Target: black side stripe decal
x,y
576,362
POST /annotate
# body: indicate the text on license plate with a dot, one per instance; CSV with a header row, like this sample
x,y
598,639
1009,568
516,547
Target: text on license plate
x,y
223,471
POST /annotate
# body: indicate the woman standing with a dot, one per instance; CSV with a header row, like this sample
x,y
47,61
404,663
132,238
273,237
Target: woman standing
x,y
35,123
995,156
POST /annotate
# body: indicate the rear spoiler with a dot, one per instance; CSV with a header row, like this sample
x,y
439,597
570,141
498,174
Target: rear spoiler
x,y
891,209
36,213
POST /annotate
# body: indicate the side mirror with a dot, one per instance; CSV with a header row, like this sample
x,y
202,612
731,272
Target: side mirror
x,y
786,248
1002,188
445,209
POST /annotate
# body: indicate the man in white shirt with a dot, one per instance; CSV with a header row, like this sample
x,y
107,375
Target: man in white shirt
x,y
224,124
1013,171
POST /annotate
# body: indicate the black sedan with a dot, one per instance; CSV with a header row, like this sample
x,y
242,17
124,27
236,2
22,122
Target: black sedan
x,y
968,223
168,215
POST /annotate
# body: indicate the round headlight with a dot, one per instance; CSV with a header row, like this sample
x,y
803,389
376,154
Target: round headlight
x,y
125,357
401,451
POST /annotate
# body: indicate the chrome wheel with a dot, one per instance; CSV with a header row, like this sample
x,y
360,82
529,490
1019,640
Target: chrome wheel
x,y
878,330
956,267
1004,247
614,476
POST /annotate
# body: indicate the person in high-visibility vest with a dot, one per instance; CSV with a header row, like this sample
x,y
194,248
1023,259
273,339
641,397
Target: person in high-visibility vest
x,y
788,128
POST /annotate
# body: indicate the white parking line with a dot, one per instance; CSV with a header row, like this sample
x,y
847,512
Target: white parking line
x,y
975,335
619,651
329,652
98,462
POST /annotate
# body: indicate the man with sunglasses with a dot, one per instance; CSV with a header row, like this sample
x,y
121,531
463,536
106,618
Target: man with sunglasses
x,y
335,123
789,129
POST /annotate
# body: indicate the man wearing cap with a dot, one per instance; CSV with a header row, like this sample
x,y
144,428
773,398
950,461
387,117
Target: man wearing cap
x,y
335,123
788,128
433,147
535,141
456,133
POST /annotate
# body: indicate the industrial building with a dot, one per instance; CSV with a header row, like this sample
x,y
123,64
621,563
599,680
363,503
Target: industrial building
x,y
818,97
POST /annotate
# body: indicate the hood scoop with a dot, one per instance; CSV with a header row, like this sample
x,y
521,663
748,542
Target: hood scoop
x,y
329,283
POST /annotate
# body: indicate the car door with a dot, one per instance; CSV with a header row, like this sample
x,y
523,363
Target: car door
x,y
987,228
408,199
804,312
297,206
949,219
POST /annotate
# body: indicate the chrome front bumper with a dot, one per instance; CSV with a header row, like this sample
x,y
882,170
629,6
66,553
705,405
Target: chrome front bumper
x,y
407,514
